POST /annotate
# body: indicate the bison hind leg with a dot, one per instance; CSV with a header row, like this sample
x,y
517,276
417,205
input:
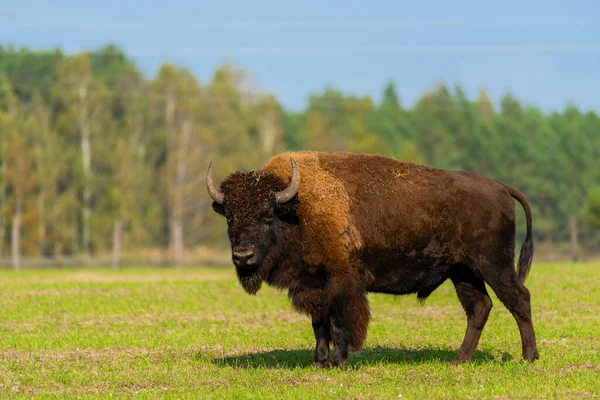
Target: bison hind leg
x,y
477,304
511,291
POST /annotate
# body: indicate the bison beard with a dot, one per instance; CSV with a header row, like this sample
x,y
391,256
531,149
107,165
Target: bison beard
x,y
360,223
251,281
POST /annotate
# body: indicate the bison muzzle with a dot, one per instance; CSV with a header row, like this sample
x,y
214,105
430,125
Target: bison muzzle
x,y
335,226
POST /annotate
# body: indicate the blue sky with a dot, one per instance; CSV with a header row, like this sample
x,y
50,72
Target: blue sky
x,y
547,53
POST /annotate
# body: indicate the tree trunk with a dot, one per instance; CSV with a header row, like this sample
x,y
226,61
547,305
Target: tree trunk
x,y
42,223
177,233
3,195
268,133
87,166
574,239
57,242
178,193
40,139
75,235
16,236
172,155
117,239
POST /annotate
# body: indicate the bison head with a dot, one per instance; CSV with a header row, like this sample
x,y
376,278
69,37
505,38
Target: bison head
x,y
259,208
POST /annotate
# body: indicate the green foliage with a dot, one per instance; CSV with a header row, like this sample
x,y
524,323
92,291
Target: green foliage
x,y
30,71
150,142
593,207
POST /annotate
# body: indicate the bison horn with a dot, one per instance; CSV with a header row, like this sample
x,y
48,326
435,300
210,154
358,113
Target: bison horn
x,y
289,192
215,193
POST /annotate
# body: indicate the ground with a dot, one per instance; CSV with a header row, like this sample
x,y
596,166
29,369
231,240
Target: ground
x,y
193,333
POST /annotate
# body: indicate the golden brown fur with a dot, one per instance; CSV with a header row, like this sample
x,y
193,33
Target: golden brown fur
x,y
324,211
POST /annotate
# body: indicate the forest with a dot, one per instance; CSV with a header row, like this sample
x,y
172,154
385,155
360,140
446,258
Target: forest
x,y
97,159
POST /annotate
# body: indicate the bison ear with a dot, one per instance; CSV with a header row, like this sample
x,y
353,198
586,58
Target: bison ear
x,y
218,207
287,211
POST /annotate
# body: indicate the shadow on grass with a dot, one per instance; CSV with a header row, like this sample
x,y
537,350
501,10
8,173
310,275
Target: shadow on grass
x,y
290,359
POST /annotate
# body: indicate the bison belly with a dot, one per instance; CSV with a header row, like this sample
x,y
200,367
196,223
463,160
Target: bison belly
x,y
406,273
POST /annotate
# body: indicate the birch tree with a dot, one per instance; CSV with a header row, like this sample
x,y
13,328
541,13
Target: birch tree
x,y
18,175
178,98
82,101
7,115
132,176
268,126
22,180
39,124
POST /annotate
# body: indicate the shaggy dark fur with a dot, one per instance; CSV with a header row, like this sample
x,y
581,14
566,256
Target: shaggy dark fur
x,y
364,223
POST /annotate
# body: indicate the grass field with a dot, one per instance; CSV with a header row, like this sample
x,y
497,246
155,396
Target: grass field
x,y
194,333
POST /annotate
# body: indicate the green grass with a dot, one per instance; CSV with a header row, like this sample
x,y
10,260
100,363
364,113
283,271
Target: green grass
x,y
194,333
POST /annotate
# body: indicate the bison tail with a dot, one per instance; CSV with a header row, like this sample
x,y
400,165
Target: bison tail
x,y
526,256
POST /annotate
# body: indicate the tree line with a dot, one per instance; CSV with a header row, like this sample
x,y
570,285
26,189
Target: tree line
x,y
96,159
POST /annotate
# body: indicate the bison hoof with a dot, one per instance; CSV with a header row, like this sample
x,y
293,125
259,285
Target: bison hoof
x,y
339,363
321,364
531,357
460,360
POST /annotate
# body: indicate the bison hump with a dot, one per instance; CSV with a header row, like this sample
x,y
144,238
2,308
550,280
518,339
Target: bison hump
x,y
329,233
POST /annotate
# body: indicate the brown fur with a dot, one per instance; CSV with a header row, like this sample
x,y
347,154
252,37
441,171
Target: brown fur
x,y
363,223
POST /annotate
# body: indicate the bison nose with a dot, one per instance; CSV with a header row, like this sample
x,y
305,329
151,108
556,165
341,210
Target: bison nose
x,y
241,255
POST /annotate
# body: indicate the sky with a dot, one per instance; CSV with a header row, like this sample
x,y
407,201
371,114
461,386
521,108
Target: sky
x,y
546,53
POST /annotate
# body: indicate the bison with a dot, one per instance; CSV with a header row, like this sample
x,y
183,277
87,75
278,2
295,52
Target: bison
x,y
334,226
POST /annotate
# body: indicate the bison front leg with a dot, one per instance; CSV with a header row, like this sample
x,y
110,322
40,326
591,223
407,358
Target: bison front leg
x,y
349,321
342,335
314,303
322,329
